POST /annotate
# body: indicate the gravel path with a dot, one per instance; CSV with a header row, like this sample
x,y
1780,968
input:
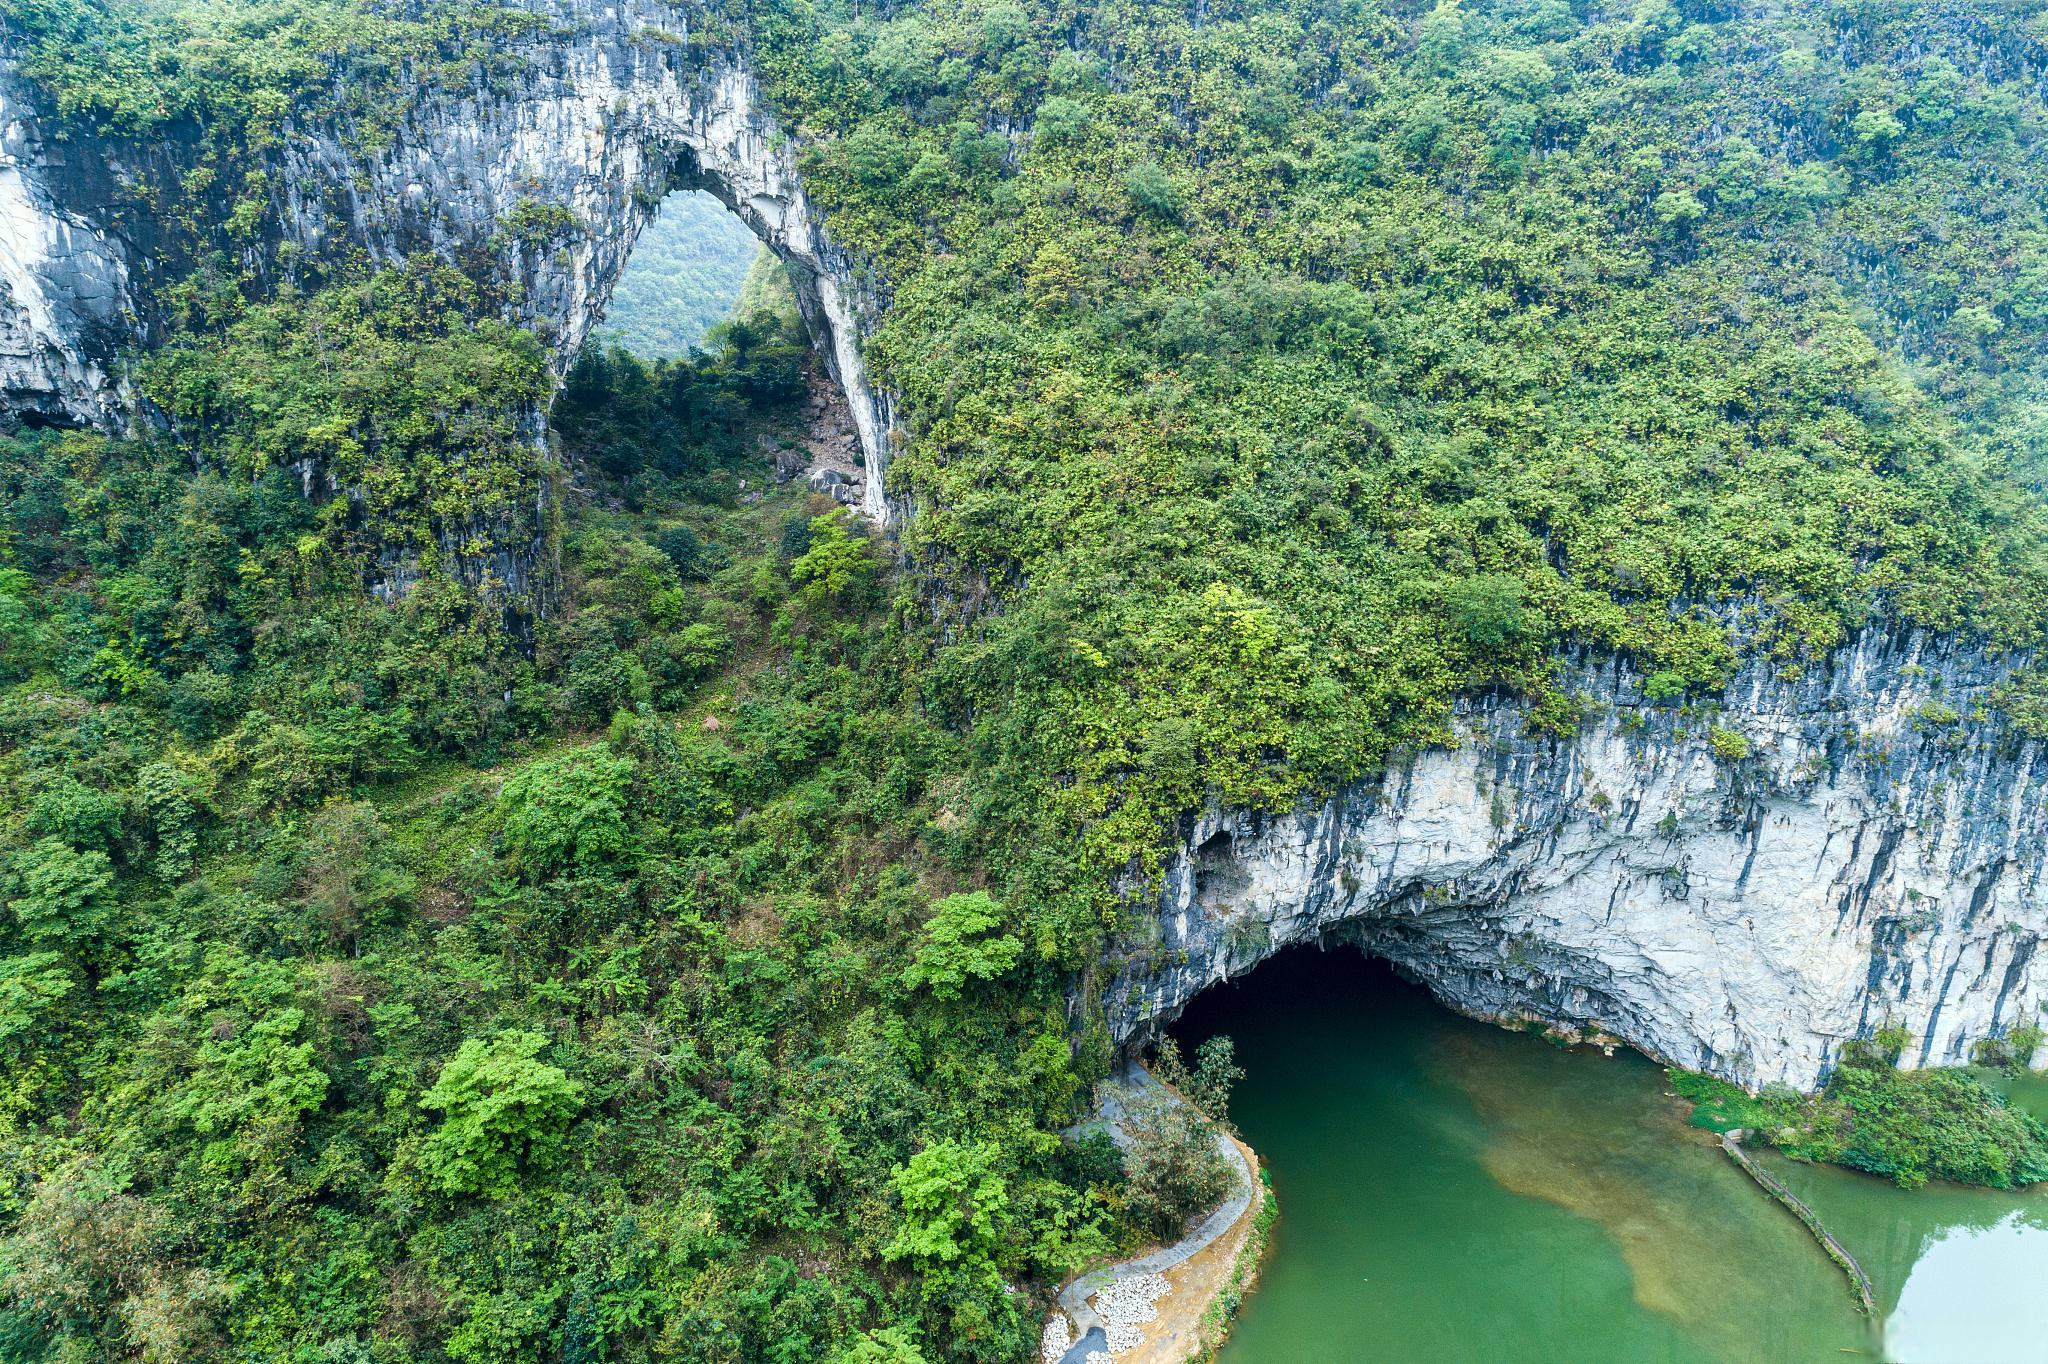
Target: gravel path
x,y
1125,1293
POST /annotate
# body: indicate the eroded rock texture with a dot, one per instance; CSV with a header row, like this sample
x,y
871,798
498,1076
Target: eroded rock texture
x,y
64,293
604,123
1868,863
1876,860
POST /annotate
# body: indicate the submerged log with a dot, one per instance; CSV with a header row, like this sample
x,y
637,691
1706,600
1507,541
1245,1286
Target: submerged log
x,y
1836,1251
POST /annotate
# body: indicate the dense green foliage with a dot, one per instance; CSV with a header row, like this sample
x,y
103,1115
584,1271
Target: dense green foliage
x,y
240,68
684,278
705,966
1369,354
672,418
684,1032
1174,1169
1910,1125
382,386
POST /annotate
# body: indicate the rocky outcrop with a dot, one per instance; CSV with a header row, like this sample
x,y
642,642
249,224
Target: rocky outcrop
x,y
64,299
1875,858
1866,862
538,181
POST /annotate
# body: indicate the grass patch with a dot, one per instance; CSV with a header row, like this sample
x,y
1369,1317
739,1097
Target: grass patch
x,y
1908,1125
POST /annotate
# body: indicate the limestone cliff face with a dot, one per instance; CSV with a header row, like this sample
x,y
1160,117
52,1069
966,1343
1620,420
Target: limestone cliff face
x,y
1877,859
64,289
615,109
539,181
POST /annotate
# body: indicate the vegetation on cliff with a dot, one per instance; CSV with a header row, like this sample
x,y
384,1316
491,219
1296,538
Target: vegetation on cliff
x,y
685,971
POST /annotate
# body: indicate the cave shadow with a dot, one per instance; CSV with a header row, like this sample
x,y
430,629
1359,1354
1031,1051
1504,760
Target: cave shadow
x,y
1305,986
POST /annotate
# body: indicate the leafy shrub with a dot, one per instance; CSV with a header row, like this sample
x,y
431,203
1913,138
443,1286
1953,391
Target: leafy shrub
x,y
837,565
503,1111
249,1084
31,985
350,876
60,895
1208,1085
888,1345
677,660
1912,1125
1663,686
1729,745
955,1204
961,942
199,701
385,383
75,812
683,549
875,157
1488,611
536,225
796,536
568,812
1940,1124
1152,191
1061,121
169,800
1174,1169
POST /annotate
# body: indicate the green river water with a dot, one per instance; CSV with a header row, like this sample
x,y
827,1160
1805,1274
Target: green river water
x,y
1452,1192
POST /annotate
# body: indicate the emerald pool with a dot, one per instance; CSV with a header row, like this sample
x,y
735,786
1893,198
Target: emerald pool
x,y
1454,1191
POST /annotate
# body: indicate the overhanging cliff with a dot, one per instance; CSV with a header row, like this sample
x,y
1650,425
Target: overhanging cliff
x,y
1738,888
1860,861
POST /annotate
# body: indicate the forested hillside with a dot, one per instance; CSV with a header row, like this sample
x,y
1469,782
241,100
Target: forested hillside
x,y
684,278
701,959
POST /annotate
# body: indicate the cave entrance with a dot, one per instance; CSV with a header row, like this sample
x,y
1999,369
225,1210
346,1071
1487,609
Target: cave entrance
x,y
695,266
1306,986
1450,1189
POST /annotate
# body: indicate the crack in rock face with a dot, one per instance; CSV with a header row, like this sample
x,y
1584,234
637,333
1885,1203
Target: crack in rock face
x,y
612,110
1875,859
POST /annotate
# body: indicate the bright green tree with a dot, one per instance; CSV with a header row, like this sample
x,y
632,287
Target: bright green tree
x,y
956,1205
837,566
961,942
502,1109
249,1084
61,896
30,986
568,812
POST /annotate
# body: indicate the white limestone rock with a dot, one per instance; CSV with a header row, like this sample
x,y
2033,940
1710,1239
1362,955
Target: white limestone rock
x,y
612,109
64,304
1870,863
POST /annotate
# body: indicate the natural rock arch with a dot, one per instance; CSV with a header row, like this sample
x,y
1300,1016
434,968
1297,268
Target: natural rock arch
x,y
613,109
744,167
1875,869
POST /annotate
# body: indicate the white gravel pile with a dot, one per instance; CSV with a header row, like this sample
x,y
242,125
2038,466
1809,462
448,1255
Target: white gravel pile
x,y
1056,1341
1126,1305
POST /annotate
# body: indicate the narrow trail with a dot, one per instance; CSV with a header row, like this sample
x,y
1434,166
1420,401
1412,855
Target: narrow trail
x,y
1093,1338
1836,1251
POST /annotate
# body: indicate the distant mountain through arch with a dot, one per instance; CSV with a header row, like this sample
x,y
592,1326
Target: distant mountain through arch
x,y
685,276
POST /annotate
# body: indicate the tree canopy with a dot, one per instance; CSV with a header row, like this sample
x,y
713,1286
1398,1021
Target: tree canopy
x,y
475,897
